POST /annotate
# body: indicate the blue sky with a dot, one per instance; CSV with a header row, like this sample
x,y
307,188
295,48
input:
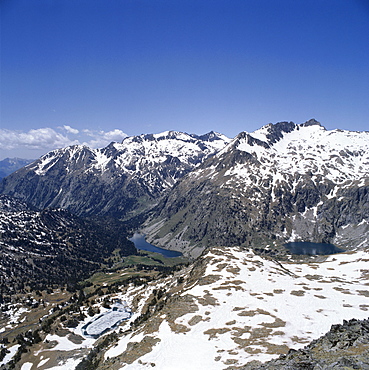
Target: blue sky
x,y
75,71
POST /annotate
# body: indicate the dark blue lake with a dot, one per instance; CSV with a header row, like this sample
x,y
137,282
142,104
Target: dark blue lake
x,y
141,244
312,249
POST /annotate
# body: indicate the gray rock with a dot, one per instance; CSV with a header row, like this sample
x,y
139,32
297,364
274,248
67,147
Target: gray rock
x,y
345,346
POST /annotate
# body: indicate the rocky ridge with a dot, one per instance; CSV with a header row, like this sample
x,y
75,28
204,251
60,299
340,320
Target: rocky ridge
x,y
345,346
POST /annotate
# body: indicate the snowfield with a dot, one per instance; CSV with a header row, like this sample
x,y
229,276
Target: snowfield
x,y
251,308
231,307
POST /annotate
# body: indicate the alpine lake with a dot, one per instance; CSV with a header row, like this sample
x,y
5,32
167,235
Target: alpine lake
x,y
141,244
298,248
312,249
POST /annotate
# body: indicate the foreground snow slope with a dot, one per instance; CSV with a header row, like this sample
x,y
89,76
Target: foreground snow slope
x,y
243,307
227,309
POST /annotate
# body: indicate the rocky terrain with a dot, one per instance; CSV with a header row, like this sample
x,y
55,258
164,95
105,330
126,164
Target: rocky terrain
x,y
114,180
284,182
345,346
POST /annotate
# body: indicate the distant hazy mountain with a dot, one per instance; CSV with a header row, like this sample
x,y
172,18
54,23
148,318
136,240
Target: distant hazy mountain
x,y
9,165
284,182
113,180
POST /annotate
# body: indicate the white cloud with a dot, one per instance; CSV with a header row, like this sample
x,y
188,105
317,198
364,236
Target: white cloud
x,y
99,139
46,139
70,130
41,138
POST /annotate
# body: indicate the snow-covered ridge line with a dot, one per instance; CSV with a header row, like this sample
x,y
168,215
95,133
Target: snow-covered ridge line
x,y
337,155
139,150
113,179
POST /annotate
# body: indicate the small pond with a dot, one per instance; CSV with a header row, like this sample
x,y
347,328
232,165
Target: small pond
x,y
107,321
312,249
141,244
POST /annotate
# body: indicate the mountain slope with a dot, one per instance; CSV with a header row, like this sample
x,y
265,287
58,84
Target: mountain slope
x,y
43,248
234,307
228,309
345,346
284,182
112,180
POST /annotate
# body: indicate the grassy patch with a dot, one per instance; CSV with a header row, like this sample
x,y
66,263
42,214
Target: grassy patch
x,y
108,278
152,259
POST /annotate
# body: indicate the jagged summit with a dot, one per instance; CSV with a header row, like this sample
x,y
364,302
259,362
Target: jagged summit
x,y
272,133
275,132
212,136
269,135
311,122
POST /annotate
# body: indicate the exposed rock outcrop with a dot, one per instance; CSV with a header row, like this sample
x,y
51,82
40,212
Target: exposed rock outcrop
x,y
345,346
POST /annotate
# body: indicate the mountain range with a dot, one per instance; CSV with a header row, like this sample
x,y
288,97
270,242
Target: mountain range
x,y
237,298
284,182
115,180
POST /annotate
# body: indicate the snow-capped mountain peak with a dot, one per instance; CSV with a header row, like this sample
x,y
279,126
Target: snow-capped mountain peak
x,y
282,182
139,166
308,147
